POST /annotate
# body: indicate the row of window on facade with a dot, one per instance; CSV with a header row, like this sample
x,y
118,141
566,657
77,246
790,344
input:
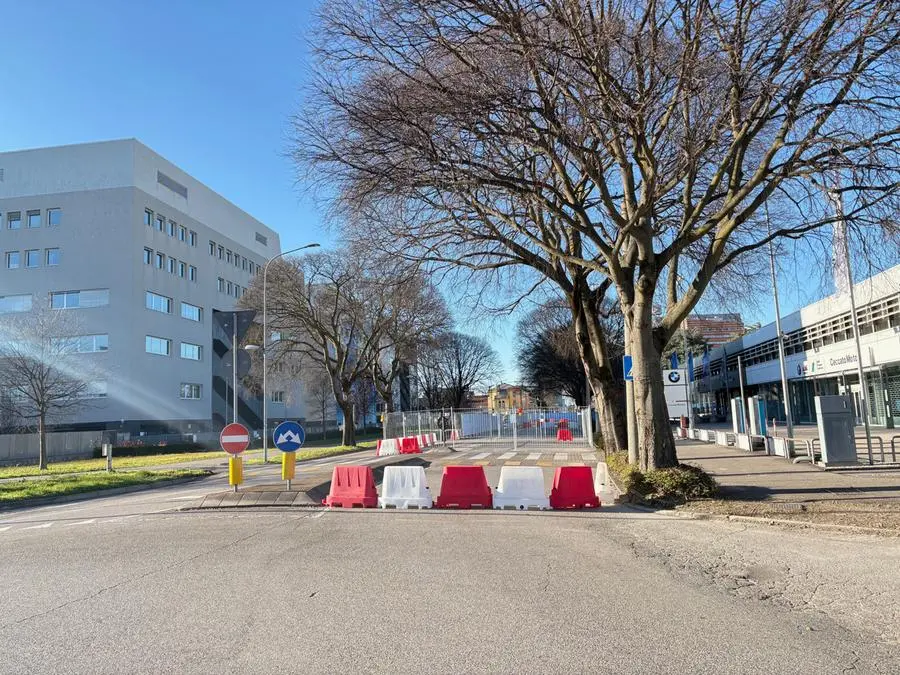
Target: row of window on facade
x,y
97,297
163,347
33,219
230,289
164,305
32,258
239,261
162,262
170,227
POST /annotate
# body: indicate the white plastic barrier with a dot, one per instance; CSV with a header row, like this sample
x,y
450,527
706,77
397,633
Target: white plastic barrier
x,y
423,440
722,438
434,439
388,446
521,487
601,478
744,442
780,446
403,487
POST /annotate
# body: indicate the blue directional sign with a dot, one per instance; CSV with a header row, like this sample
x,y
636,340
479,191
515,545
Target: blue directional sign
x,y
289,436
627,367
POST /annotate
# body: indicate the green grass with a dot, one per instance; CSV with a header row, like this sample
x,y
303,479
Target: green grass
x,y
666,487
22,490
82,465
316,453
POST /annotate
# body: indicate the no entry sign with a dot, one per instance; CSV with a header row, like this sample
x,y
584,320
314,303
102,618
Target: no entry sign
x,y
234,438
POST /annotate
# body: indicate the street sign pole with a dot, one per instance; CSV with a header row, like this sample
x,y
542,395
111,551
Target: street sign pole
x,y
288,437
234,350
234,439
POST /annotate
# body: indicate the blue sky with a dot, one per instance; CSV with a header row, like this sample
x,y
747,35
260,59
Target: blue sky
x,y
209,85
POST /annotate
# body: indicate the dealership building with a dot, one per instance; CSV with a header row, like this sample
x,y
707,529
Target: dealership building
x,y
820,358
149,262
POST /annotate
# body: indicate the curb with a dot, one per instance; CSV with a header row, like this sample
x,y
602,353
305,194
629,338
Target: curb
x,y
112,492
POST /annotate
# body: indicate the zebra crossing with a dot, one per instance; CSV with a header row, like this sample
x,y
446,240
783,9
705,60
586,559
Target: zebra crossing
x,y
519,458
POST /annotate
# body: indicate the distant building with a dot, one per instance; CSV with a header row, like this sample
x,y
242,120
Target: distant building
x,y
716,329
478,401
508,397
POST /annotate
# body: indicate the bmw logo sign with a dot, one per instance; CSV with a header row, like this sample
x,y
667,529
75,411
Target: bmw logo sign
x,y
674,376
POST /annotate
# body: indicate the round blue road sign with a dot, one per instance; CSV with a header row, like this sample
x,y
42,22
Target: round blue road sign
x,y
289,436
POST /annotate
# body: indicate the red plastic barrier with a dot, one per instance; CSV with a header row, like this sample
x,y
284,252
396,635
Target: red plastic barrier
x,y
352,486
409,445
573,488
464,487
563,434
564,424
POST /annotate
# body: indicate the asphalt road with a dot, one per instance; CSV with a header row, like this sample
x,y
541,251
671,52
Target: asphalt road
x,y
434,592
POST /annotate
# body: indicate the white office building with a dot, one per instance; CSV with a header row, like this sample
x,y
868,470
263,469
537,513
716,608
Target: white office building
x,y
820,357
144,255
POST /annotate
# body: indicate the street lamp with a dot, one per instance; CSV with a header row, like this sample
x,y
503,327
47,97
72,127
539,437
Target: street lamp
x,y
265,346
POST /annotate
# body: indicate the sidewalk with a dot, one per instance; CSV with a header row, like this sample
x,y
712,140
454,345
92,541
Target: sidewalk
x,y
746,476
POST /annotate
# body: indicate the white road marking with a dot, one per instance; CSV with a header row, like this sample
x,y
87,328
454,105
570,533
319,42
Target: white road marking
x,y
589,457
507,455
533,456
561,456
85,522
4,529
199,494
480,455
37,527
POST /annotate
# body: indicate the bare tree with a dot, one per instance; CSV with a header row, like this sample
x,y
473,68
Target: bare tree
x,y
548,353
42,377
327,308
454,365
317,384
416,313
621,146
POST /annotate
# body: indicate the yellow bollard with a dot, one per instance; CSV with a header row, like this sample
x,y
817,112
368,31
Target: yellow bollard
x,y
288,466
235,471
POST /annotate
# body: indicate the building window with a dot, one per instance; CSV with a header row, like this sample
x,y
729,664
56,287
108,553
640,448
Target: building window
x,y
160,261
193,238
13,260
190,391
228,257
148,256
52,257
244,264
182,233
181,269
94,390
158,303
212,248
157,345
221,285
262,239
34,219
221,252
54,217
160,223
172,262
191,352
33,258
191,312
172,228
228,288
15,303
253,268
277,397
237,291
14,220
74,299
148,217
82,344
192,273
237,260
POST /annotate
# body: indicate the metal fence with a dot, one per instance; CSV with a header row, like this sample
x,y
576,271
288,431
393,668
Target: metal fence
x,y
533,428
24,448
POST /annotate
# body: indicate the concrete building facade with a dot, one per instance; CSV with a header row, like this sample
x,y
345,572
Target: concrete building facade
x,y
142,254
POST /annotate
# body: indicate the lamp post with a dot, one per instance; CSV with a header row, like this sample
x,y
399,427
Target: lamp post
x,y
265,346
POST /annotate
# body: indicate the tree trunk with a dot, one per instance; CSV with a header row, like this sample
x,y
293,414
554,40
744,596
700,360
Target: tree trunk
x,y
324,426
656,444
348,437
42,442
609,414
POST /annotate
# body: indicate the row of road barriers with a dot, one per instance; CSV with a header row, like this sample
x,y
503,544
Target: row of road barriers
x,y
466,487
533,428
